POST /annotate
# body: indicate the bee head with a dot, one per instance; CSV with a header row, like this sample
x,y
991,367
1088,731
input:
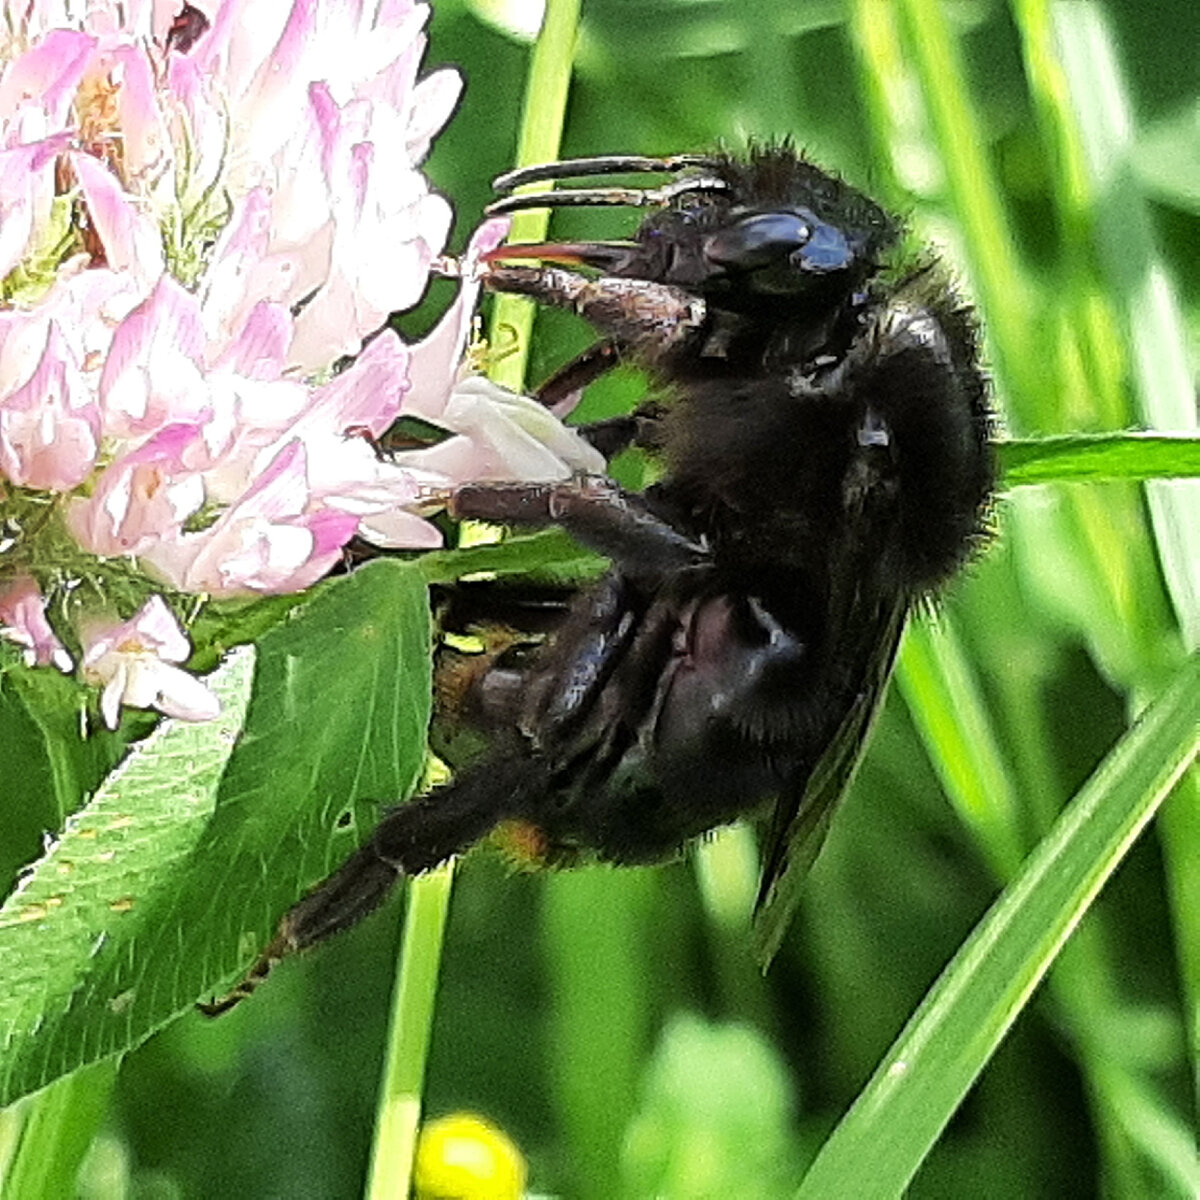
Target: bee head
x,y
786,228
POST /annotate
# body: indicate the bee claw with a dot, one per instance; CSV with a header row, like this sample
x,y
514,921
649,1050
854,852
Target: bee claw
x,y
246,987
432,500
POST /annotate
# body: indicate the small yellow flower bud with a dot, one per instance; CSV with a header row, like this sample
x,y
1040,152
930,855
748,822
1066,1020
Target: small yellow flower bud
x,y
464,1157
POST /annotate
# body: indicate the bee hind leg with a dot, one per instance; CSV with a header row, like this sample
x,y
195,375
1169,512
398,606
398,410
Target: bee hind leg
x,y
355,889
564,389
411,839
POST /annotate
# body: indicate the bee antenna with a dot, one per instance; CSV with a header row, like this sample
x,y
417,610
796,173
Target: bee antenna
x,y
602,164
630,197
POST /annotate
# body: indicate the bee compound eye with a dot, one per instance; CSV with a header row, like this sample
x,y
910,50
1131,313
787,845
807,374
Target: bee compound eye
x,y
826,250
758,240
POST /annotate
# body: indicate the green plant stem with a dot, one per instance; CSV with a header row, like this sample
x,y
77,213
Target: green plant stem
x,y
1079,368
399,1110
1179,829
596,929
540,137
881,1142
999,282
1161,379
398,1113
941,692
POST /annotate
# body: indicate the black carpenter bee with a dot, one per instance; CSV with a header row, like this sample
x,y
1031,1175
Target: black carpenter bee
x,y
822,425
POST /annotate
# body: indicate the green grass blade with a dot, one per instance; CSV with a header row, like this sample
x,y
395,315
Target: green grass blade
x,y
943,695
1086,111
58,1124
597,933
1179,829
1098,458
1162,379
881,1142
1146,1120
1002,288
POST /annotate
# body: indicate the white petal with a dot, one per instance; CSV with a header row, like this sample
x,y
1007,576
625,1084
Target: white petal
x,y
182,695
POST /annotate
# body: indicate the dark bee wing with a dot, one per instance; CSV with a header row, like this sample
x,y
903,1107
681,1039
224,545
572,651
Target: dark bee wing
x,y
801,817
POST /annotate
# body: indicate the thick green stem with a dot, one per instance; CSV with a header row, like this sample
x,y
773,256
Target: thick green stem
x,y
399,1110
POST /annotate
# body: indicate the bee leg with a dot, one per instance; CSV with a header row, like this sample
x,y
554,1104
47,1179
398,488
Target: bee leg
x,y
614,434
642,428
411,839
616,523
247,985
563,390
525,610
653,320
353,891
559,690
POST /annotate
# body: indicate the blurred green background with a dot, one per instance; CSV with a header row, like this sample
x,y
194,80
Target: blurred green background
x,y
614,1023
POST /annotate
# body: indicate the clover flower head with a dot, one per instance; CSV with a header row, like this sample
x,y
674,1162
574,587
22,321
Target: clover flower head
x,y
205,209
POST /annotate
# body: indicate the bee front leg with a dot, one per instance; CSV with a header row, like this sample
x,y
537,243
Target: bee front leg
x,y
616,523
564,389
654,320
